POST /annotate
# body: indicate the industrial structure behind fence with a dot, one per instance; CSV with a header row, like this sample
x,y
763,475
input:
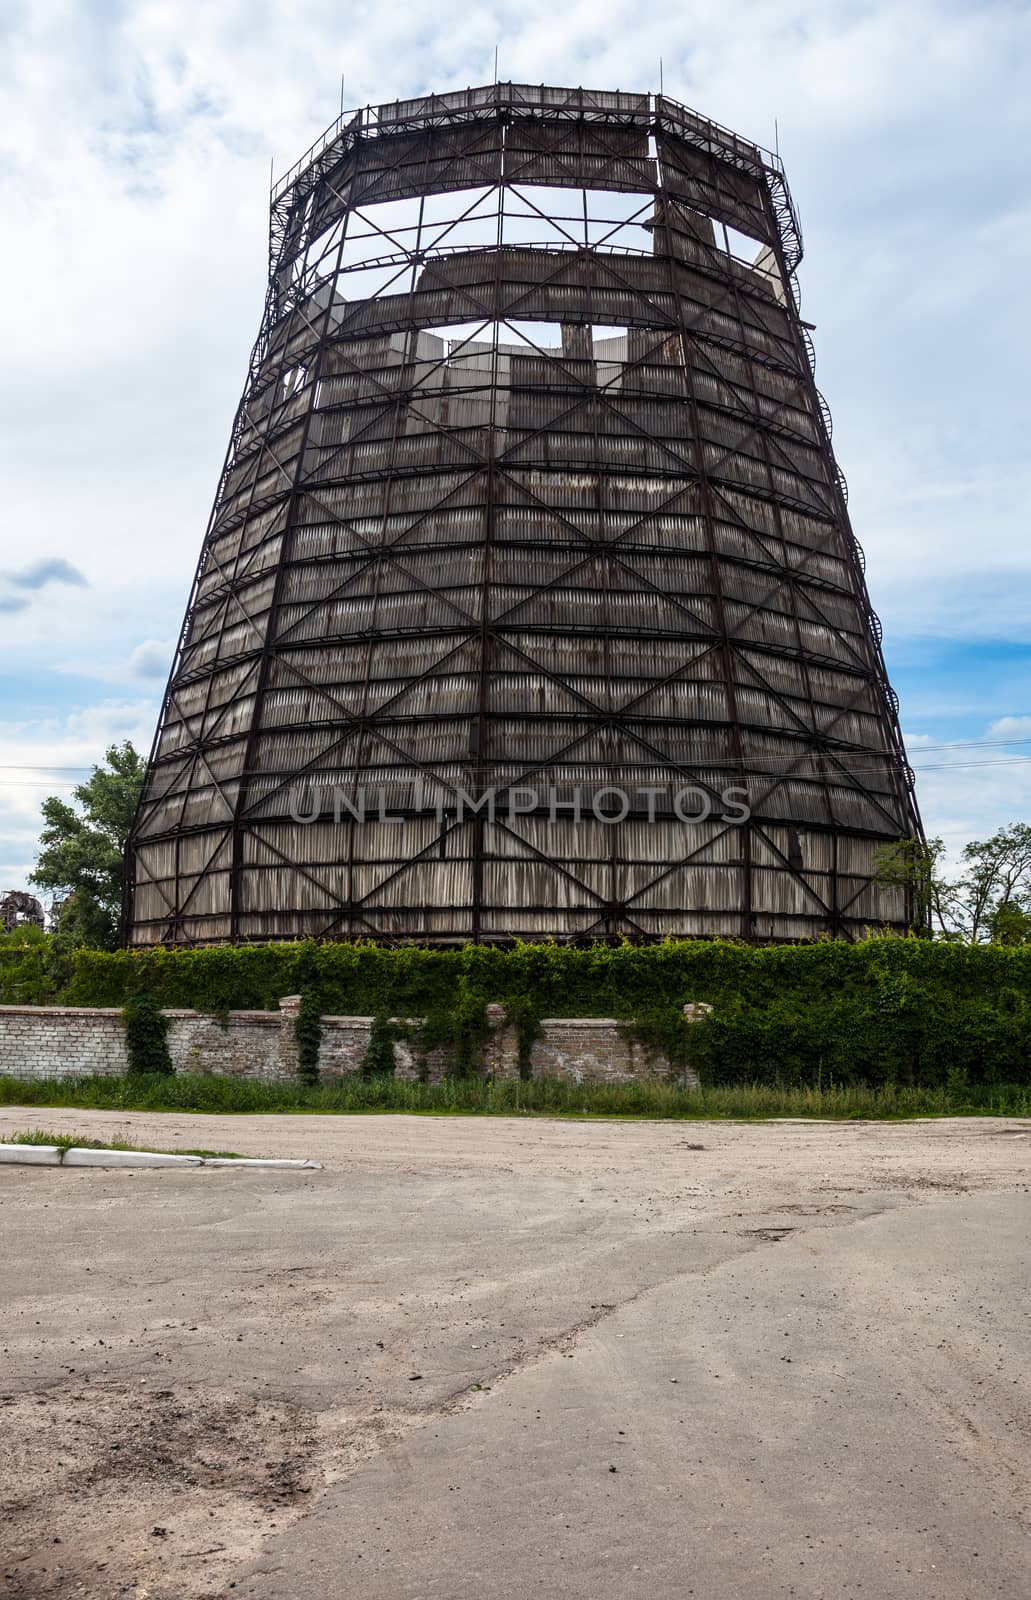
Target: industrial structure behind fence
x,y
529,604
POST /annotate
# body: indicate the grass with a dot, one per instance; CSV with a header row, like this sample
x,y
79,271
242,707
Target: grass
x,y
63,1141
82,1141
516,1097
211,1155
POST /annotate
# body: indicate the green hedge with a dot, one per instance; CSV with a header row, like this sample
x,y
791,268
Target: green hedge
x,y
562,980
885,1010
309,1037
902,1034
146,1036
35,974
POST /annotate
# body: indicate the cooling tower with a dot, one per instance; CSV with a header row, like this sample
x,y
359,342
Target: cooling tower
x,y
529,605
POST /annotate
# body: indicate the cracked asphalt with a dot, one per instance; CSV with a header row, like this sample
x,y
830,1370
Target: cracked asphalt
x,y
503,1358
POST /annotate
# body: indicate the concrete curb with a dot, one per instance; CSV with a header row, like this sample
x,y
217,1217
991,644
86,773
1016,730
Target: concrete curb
x,y
50,1155
84,1157
259,1161
31,1155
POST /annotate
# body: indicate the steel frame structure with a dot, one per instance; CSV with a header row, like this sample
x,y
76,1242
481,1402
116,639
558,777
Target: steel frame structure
x,y
530,491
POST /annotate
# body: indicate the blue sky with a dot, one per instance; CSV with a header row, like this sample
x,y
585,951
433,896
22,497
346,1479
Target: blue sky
x,y
135,147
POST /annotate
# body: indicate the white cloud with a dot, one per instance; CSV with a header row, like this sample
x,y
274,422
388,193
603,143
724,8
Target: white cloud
x,y
151,659
969,789
1011,728
51,756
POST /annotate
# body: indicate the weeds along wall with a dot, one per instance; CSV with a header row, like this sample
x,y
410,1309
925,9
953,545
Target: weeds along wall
x,y
885,1010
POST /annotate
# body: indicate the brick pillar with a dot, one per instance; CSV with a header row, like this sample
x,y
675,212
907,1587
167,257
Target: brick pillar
x,y
501,1052
289,1010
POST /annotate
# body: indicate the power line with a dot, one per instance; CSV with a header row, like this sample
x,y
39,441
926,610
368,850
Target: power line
x,y
914,754
789,767
924,749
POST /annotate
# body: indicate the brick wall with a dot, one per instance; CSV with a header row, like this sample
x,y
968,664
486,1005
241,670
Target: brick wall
x,y
249,1045
592,1050
66,1041
60,1041
345,1041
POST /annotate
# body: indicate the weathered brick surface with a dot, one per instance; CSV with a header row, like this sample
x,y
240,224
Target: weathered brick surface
x,y
345,1041
249,1044
409,1061
595,1050
60,1041
66,1041
501,1056
590,1050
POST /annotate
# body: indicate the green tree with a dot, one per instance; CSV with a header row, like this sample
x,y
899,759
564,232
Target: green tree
x,y
996,880
988,900
82,849
1010,923
26,933
916,865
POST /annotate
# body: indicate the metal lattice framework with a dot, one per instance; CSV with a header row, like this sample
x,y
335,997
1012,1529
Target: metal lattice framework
x,y
530,499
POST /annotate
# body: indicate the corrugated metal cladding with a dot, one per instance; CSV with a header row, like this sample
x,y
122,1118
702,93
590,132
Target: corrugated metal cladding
x,y
529,606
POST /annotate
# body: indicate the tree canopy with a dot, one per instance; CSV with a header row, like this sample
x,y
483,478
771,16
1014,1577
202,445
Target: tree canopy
x,y
988,900
82,848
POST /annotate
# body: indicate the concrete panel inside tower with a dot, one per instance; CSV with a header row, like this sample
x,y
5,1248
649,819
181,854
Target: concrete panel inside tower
x,y
529,604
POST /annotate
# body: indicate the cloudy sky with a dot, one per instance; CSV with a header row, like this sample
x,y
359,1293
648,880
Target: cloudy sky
x,y
135,147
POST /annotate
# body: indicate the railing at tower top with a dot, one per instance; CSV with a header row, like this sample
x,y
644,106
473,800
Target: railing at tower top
x,y
516,98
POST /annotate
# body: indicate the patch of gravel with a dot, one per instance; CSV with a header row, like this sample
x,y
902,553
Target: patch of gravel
x,y
190,1362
